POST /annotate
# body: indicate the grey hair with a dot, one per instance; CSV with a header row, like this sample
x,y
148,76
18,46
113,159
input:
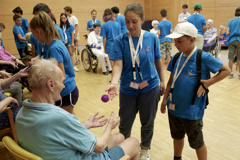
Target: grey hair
x,y
210,20
41,71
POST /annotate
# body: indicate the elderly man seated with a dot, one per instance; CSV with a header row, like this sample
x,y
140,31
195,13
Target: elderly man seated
x,y
209,36
52,133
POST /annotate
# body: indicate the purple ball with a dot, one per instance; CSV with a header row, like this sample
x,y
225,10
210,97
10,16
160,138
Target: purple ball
x,y
105,98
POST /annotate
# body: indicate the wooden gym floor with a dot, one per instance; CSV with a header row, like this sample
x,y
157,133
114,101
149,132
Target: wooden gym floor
x,y
221,120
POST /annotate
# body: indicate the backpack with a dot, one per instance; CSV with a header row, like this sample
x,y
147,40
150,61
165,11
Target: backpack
x,y
199,72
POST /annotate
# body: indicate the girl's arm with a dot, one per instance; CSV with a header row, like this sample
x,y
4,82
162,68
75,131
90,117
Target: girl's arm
x,y
158,66
104,43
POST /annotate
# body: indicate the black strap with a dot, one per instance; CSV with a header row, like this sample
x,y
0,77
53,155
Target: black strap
x,y
176,56
199,72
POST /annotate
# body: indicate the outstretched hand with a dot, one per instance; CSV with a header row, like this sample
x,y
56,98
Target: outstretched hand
x,y
95,121
113,123
112,91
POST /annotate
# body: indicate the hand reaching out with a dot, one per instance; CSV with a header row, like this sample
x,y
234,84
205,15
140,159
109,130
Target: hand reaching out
x,y
112,91
95,121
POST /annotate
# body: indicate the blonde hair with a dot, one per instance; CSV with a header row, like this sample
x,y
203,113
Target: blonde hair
x,y
43,21
41,71
154,22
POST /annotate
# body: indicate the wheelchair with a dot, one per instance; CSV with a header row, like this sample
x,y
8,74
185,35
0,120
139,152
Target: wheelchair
x,y
216,50
89,60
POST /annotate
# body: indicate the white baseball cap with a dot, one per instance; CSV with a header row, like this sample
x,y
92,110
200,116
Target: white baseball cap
x,y
183,29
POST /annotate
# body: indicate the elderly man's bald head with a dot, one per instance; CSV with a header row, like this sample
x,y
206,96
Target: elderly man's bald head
x,y
41,72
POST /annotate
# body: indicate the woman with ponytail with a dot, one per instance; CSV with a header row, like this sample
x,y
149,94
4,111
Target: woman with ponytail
x,y
44,31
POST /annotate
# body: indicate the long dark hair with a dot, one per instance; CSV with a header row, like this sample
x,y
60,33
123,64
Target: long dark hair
x,y
67,22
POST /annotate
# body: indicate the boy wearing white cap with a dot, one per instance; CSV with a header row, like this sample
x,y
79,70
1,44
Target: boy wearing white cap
x,y
185,114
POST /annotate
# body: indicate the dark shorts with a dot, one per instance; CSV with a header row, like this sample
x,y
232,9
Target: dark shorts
x,y
193,128
70,99
115,152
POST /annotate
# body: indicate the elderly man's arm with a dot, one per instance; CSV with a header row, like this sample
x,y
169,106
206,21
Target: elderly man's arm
x,y
104,139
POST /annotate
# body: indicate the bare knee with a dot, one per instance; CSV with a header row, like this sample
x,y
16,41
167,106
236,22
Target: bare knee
x,y
131,147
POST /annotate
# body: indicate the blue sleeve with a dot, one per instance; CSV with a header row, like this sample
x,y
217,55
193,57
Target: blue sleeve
x,y
75,135
99,22
71,28
117,49
203,21
16,30
2,43
88,24
103,31
25,22
170,67
171,25
158,27
211,63
57,53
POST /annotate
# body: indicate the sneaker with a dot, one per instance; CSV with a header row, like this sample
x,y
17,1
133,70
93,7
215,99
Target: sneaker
x,y
105,73
75,69
144,155
230,76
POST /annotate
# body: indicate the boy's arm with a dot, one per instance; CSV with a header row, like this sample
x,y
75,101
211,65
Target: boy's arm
x,y
228,31
159,32
164,102
222,73
20,37
158,66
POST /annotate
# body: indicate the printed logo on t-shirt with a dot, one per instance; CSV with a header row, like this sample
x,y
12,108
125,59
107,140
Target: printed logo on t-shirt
x,y
144,50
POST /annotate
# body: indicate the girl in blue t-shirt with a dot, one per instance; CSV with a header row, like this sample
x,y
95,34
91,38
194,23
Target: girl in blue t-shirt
x,y
68,30
94,20
109,31
44,31
136,56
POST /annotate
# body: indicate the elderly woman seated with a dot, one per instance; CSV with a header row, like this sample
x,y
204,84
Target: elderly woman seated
x,y
209,36
96,42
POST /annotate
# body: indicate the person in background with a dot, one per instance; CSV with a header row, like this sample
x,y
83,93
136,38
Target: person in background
x,y
233,31
74,21
164,28
154,29
96,42
24,25
119,18
184,15
94,20
209,36
2,27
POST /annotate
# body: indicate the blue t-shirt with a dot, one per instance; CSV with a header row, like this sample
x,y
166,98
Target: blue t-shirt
x,y
69,31
185,85
198,21
110,30
52,133
18,30
24,25
121,20
164,27
91,22
148,54
226,37
41,48
59,51
2,42
234,34
60,31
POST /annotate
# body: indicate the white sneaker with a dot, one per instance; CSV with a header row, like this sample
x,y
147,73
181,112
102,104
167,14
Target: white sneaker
x,y
144,155
75,69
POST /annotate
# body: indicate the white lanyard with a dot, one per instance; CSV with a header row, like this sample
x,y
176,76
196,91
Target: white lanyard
x,y
176,74
95,21
135,54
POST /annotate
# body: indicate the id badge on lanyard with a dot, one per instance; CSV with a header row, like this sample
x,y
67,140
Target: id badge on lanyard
x,y
176,75
135,59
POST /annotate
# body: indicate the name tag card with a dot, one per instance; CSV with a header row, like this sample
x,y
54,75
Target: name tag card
x,y
143,84
134,85
172,106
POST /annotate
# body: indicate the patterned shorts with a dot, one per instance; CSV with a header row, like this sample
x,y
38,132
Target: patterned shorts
x,y
166,48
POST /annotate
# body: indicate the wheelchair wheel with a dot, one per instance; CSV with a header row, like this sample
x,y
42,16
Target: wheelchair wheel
x,y
86,59
217,49
94,63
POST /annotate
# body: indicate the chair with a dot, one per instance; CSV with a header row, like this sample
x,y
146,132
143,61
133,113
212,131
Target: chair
x,y
18,152
11,129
